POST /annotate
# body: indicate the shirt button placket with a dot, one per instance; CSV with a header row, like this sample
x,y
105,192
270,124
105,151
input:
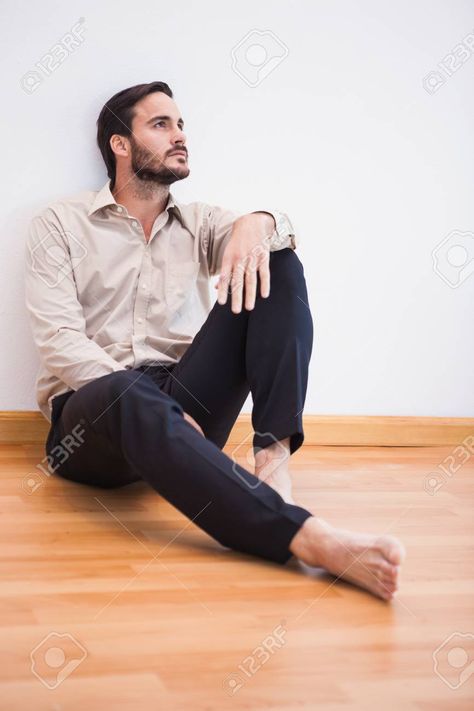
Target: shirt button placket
x,y
141,304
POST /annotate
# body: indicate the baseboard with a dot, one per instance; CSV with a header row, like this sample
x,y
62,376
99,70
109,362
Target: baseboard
x,y
30,427
374,431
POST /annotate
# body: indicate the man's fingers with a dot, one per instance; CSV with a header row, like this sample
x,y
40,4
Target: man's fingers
x,y
242,277
237,286
241,274
223,284
264,273
250,286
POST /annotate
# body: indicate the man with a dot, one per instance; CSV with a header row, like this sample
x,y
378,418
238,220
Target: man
x,y
117,287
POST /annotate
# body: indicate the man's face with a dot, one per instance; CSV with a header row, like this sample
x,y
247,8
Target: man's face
x,y
157,136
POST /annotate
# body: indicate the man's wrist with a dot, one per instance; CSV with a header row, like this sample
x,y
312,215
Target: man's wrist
x,y
262,224
267,218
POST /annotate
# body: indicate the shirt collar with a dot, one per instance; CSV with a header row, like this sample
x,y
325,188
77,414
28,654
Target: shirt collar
x,y
104,198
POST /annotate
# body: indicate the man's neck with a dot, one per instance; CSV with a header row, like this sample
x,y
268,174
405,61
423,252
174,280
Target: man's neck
x,y
144,200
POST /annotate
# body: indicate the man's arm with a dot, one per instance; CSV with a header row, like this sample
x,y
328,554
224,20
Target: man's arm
x,y
220,224
56,316
238,248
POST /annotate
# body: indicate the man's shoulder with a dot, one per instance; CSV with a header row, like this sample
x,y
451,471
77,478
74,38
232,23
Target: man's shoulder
x,y
66,207
191,209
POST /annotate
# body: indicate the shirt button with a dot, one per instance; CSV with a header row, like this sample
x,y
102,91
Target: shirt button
x,y
143,286
140,320
119,209
135,223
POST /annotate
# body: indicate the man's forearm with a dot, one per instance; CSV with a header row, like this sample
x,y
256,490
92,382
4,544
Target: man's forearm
x,y
75,359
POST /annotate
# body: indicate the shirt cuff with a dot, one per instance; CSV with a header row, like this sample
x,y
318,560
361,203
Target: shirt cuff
x,y
283,235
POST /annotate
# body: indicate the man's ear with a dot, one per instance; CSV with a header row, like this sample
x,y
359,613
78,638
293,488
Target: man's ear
x,y
119,144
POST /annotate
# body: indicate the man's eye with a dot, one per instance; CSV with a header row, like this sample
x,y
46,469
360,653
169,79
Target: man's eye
x,y
156,124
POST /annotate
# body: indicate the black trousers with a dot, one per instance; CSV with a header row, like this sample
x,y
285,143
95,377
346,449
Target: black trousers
x,y
132,428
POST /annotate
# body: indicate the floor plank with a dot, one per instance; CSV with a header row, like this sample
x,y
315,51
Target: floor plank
x,y
112,599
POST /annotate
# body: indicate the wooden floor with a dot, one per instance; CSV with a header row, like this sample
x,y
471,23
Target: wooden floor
x,y
113,600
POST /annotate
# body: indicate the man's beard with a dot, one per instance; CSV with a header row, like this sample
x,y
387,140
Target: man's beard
x,y
143,162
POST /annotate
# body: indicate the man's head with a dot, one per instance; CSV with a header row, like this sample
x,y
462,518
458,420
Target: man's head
x,y
138,131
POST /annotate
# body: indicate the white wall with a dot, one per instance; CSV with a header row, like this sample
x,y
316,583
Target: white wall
x,y
373,169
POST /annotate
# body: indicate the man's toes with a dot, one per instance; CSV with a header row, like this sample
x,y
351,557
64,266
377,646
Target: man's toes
x,y
391,548
386,591
385,569
392,573
389,585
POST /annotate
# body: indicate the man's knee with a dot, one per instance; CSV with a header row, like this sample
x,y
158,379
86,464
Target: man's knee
x,y
286,268
285,260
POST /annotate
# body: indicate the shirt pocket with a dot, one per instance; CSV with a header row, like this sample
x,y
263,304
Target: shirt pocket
x,y
181,280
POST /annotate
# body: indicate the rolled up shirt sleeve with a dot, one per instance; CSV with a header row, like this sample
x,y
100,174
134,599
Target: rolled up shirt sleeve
x,y
217,228
283,235
56,316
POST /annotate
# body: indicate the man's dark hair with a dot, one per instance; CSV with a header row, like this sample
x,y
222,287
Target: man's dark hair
x,y
117,116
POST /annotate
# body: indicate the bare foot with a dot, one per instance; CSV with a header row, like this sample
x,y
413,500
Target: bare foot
x,y
371,562
271,466
281,482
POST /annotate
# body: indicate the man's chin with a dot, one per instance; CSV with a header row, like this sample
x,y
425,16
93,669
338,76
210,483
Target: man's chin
x,y
175,175
164,177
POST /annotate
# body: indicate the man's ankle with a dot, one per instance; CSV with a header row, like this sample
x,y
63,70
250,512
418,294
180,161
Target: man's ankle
x,y
275,456
311,543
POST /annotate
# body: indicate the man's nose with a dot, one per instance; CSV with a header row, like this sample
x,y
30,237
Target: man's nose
x,y
179,136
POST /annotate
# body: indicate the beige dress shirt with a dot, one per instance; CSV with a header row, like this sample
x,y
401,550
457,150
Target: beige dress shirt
x,y
101,298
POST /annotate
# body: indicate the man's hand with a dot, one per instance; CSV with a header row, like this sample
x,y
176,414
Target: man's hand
x,y
192,422
247,253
